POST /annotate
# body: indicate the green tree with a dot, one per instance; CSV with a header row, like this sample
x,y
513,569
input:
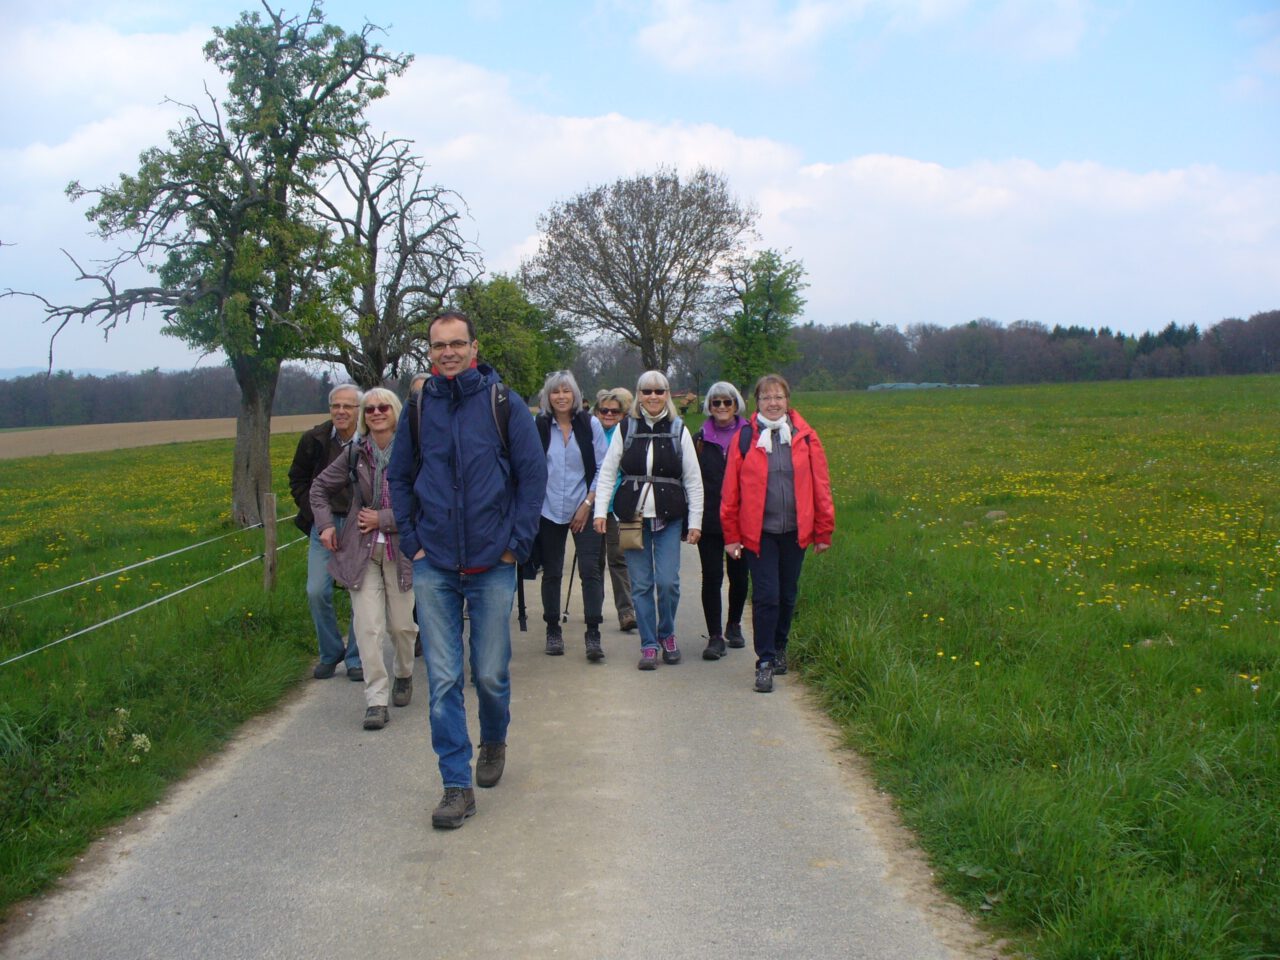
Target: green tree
x,y
519,339
640,259
756,338
222,215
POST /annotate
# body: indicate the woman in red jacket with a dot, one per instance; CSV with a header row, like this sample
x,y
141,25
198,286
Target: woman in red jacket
x,y
775,502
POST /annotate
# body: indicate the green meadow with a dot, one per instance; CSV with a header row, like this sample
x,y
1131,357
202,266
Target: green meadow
x,y
1049,621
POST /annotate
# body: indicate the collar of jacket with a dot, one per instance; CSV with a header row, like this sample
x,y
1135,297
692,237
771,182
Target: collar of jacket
x,y
469,381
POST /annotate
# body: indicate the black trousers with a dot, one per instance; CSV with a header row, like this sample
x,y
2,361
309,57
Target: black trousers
x,y
775,583
714,562
587,544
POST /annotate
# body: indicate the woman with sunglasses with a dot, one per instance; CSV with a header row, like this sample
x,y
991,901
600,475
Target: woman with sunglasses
x,y
366,556
775,503
662,487
719,431
611,407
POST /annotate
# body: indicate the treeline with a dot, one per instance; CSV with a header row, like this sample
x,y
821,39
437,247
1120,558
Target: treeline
x,y
64,399
988,353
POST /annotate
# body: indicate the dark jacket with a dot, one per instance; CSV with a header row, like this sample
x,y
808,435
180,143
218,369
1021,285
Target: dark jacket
x,y
668,464
712,459
317,448
472,499
349,561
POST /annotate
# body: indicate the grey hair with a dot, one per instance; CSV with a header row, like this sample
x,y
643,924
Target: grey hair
x,y
722,389
651,379
619,395
345,386
554,381
380,395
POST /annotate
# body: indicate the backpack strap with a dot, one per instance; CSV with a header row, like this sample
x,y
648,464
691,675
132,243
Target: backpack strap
x,y
500,403
543,423
744,439
415,430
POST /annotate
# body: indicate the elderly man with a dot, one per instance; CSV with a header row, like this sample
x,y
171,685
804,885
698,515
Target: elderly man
x,y
318,448
466,504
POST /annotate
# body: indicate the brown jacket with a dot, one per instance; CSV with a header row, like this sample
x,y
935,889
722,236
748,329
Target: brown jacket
x,y
317,448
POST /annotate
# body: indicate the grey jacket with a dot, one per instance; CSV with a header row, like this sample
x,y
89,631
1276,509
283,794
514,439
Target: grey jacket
x,y
351,559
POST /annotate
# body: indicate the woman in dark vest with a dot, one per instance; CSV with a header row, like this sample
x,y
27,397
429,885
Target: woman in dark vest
x,y
575,445
723,408
662,486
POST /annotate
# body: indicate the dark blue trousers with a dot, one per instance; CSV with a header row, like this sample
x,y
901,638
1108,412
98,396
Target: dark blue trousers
x,y
775,582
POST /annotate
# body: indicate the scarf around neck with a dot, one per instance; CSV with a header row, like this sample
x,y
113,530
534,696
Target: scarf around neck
x,y
781,426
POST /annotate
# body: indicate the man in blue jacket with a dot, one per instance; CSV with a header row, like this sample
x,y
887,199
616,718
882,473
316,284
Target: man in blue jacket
x,y
467,515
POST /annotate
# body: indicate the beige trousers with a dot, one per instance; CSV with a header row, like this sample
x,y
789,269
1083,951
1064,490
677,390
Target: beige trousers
x,y
378,607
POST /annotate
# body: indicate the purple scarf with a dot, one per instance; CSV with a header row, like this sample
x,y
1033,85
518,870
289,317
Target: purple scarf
x,y
723,437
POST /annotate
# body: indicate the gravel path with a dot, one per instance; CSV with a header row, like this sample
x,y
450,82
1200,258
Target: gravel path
x,y
642,815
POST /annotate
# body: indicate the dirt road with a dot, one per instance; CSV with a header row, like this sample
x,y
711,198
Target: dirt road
x,y
91,438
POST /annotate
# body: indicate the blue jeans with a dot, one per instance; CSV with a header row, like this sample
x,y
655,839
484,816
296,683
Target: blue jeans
x,y
440,595
775,585
656,570
320,599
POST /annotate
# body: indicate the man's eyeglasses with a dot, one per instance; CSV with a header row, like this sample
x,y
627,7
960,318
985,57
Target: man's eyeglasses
x,y
721,402
606,412
344,406
454,345
653,391
377,408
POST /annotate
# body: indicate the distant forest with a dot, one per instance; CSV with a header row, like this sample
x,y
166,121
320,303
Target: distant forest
x,y
847,357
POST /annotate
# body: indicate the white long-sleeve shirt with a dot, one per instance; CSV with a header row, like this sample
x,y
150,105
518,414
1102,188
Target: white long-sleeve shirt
x,y
690,475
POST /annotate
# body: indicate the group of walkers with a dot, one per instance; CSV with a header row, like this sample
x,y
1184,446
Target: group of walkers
x,y
426,515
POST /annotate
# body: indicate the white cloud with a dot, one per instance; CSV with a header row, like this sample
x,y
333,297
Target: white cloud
x,y
1037,29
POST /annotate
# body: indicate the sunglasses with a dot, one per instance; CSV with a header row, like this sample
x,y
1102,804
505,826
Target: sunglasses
x,y
606,412
653,391
722,403
377,408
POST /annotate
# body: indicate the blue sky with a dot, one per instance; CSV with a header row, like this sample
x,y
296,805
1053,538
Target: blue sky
x,y
930,161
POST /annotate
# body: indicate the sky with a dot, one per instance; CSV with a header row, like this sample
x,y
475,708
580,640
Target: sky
x,y
1095,162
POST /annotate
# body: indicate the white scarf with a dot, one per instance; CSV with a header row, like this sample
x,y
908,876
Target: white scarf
x,y
781,426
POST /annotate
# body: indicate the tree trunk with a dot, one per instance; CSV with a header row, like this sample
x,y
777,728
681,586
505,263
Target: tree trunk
x,y
251,466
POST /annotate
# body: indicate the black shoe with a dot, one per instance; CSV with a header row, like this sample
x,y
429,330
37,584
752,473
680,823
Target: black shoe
x,y
375,718
555,640
417,646
324,671
715,648
490,764
355,674
779,662
764,677
455,806
595,651
402,691
733,635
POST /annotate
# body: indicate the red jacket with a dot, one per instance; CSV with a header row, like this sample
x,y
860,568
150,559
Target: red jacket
x,y
746,480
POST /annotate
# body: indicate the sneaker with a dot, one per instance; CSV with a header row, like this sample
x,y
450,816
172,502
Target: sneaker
x,y
555,640
715,648
779,662
375,718
355,674
649,658
324,671
595,651
733,635
628,623
670,652
764,677
402,691
490,764
455,806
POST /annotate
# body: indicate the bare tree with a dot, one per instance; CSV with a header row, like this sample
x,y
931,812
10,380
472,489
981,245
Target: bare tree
x,y
641,259
407,256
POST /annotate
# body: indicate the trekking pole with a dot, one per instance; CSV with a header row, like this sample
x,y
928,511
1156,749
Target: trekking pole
x,y
569,594
522,614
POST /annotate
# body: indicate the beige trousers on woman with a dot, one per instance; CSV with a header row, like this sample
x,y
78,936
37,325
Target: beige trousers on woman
x,y
376,607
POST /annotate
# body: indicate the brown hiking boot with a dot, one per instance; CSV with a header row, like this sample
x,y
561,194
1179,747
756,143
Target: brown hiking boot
x,y
455,806
490,764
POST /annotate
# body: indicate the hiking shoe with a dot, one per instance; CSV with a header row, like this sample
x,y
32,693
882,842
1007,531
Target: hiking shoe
x,y
490,764
627,623
595,651
402,691
764,677
715,648
670,652
324,671
375,718
455,806
555,641
779,662
649,658
733,635
355,674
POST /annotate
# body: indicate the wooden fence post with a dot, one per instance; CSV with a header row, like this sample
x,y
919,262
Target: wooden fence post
x,y
269,542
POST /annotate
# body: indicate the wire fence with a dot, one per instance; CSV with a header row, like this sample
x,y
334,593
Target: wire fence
x,y
150,603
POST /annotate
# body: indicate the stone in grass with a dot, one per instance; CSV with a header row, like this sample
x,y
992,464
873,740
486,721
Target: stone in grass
x,y
995,516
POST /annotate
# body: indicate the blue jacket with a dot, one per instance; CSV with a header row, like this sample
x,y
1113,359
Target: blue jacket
x,y
470,501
